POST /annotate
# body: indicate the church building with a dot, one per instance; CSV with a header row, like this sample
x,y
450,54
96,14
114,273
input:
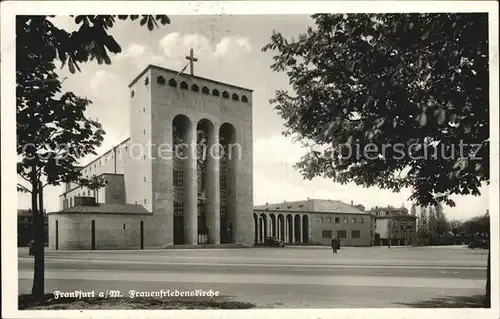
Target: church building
x,y
183,177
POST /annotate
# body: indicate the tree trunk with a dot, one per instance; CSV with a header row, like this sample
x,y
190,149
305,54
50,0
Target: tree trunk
x,y
38,281
487,299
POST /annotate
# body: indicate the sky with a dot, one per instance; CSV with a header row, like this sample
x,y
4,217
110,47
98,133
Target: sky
x,y
228,48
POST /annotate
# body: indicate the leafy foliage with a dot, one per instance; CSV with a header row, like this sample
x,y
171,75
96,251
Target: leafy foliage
x,y
407,89
90,42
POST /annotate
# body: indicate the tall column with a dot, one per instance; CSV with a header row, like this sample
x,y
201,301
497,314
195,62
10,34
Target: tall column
x,y
285,221
302,236
292,236
212,186
190,187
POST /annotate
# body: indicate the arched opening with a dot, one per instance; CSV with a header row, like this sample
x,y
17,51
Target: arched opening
x,y
215,92
132,93
195,88
160,80
281,227
297,229
225,95
261,230
273,226
205,90
209,219
184,85
172,83
146,81
244,99
265,225
256,229
289,228
93,234
305,229
228,166
236,97
184,184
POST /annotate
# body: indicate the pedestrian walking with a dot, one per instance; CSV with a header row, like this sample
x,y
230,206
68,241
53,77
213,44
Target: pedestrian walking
x,y
334,245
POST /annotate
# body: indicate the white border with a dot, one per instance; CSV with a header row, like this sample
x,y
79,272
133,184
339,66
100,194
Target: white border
x,y
8,145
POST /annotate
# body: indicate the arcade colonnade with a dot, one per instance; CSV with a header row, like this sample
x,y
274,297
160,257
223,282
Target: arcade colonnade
x,y
288,227
202,204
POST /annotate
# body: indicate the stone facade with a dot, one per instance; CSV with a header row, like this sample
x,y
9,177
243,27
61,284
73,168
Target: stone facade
x,y
314,222
140,170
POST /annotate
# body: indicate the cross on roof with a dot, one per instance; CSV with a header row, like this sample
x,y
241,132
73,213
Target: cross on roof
x,y
191,59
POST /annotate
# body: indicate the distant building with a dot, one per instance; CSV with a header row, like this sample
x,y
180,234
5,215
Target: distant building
x,y
24,227
314,221
394,225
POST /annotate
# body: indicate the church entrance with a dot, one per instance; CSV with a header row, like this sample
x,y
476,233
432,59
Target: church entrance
x,y
178,230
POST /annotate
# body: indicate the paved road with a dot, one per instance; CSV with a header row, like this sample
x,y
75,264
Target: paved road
x,y
289,277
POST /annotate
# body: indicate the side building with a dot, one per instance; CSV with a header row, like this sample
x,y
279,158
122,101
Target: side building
x,y
394,225
314,222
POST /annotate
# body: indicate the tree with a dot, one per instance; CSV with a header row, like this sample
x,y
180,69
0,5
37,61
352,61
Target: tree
x,y
456,227
423,224
52,130
390,100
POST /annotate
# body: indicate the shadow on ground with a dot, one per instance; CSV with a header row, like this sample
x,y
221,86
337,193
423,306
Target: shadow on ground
x,y
449,302
26,302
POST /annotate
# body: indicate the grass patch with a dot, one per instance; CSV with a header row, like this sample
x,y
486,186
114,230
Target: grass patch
x,y
27,302
476,301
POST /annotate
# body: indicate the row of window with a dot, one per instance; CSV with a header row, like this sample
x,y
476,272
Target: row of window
x,y
195,88
342,234
179,209
337,220
179,179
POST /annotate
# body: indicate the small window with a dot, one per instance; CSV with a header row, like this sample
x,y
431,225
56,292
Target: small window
x,y
329,220
195,88
361,220
124,226
355,234
346,220
160,80
353,220
300,206
205,90
106,182
144,132
223,182
172,83
337,220
144,109
341,234
215,92
145,179
178,208
222,210
236,97
289,206
178,178
144,156
225,95
145,201
326,234
184,85
146,81
244,99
